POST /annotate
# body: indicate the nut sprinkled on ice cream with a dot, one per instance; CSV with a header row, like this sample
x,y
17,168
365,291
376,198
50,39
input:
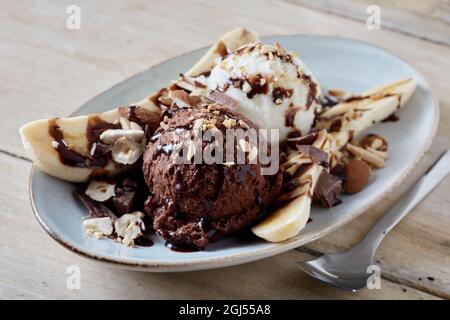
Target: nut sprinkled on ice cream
x,y
270,85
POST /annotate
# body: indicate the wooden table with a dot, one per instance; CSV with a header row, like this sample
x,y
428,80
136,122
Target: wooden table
x,y
47,70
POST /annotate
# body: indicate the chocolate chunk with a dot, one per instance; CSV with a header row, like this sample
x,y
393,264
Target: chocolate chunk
x,y
339,171
129,183
126,195
279,93
358,174
316,154
95,208
327,190
182,99
101,149
124,200
141,116
224,100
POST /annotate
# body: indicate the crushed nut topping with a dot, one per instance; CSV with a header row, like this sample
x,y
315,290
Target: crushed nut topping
x,y
229,122
129,227
99,227
164,126
100,190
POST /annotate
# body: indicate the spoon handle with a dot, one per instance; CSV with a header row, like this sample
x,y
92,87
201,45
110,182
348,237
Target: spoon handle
x,y
434,175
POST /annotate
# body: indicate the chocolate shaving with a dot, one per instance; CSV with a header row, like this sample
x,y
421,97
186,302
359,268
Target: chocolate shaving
x,y
95,208
141,116
327,190
181,98
224,100
305,140
317,155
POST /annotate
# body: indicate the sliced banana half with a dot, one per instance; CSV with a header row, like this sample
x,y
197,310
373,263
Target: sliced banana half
x,y
358,113
45,150
287,221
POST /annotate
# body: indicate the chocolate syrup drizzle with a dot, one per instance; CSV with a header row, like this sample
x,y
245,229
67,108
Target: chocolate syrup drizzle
x,y
73,158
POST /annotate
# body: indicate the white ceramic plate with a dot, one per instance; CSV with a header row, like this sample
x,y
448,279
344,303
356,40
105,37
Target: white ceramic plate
x,y
337,63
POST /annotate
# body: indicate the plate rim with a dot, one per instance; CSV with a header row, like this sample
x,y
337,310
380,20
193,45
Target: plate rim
x,y
239,258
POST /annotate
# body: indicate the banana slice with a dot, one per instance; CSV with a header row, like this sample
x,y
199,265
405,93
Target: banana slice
x,y
229,42
361,112
287,221
42,147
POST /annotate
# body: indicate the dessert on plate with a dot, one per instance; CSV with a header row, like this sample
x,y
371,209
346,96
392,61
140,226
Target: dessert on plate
x,y
244,140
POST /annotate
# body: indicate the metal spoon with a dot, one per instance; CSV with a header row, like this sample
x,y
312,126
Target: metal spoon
x,y
348,270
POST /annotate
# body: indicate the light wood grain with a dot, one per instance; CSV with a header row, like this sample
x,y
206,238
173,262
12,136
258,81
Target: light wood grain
x,y
429,20
48,71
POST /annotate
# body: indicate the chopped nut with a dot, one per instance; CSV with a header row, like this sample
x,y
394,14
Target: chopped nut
x,y
253,154
164,126
100,190
245,146
112,135
125,123
280,49
243,124
191,150
197,127
374,141
129,227
134,126
371,158
93,149
185,85
228,122
126,151
98,235
246,87
98,226
55,144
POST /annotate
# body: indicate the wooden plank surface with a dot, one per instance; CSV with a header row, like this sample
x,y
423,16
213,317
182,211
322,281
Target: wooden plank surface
x,y
48,70
429,20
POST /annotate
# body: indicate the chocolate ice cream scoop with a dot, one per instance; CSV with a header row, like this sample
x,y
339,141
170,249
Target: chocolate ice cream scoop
x,y
194,203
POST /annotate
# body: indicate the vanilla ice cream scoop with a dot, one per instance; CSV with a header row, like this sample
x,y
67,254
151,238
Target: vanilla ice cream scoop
x,y
274,87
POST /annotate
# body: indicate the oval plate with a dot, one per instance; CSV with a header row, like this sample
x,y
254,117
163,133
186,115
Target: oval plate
x,y
336,63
